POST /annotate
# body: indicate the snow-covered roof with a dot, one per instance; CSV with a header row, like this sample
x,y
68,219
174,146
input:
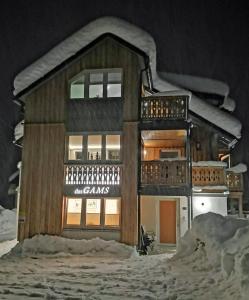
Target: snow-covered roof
x,y
203,85
136,37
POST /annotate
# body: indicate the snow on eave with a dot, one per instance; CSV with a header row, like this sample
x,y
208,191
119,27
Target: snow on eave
x,y
239,168
134,36
174,93
209,163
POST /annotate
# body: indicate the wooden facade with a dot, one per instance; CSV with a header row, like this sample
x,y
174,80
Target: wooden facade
x,y
50,116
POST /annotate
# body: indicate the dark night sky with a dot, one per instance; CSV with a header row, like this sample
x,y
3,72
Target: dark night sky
x,y
203,38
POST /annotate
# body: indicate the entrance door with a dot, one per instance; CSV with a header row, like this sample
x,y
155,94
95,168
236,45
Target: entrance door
x,y
168,222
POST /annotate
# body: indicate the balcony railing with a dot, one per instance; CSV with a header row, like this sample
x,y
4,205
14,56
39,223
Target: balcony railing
x,y
92,174
209,176
164,107
234,181
171,173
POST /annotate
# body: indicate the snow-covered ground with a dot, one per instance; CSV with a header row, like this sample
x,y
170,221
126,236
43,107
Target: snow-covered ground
x,y
212,262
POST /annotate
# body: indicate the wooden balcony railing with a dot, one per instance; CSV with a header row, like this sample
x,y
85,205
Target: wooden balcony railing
x,y
171,173
208,175
92,174
234,181
164,107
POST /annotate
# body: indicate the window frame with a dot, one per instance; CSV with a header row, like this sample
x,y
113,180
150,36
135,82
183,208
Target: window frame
x,y
82,224
86,73
84,152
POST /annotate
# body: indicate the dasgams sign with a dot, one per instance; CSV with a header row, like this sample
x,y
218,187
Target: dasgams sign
x,y
92,190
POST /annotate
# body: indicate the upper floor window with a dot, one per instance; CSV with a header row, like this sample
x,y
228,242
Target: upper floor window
x,y
94,147
104,83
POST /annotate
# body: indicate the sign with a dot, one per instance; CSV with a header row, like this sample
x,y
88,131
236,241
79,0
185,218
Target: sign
x,y
92,190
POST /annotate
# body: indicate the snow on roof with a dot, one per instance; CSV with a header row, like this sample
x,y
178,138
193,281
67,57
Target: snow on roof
x,y
201,84
136,37
239,168
196,83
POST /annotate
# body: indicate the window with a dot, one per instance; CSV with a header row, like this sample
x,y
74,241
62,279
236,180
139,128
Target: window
x,y
113,147
92,84
92,212
77,88
94,147
75,147
112,212
73,211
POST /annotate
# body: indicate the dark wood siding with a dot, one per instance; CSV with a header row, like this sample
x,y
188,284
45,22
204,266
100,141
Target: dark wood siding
x,y
42,180
129,210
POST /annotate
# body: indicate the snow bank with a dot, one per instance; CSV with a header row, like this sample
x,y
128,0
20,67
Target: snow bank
x,y
47,244
7,224
224,242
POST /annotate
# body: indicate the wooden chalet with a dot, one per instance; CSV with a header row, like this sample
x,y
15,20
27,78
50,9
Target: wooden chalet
x,y
108,146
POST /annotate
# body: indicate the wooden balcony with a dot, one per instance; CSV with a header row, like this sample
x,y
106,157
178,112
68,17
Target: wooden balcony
x,y
208,176
164,107
170,173
92,174
234,181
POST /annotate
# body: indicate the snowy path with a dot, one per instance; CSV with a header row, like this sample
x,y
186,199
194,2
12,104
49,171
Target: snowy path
x,y
105,278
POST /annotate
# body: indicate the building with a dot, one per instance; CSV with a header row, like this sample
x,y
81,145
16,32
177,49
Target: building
x,y
110,145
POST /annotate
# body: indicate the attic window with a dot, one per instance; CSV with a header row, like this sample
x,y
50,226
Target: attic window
x,y
92,84
77,88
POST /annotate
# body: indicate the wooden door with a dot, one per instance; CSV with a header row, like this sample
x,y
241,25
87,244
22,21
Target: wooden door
x,y
168,222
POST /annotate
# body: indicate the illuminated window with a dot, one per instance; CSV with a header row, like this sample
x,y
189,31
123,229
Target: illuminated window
x,y
113,147
112,212
77,88
91,84
73,211
75,147
92,212
94,146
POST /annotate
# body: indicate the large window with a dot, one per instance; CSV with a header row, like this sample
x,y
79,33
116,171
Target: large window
x,y
94,147
92,212
97,84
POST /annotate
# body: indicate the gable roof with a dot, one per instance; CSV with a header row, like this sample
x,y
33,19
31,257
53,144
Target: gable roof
x,y
134,36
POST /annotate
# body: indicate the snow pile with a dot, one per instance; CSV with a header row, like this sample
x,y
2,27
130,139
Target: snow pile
x,y
223,242
50,245
7,224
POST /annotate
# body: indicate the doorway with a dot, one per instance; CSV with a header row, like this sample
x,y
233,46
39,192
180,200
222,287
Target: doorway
x,y
167,213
